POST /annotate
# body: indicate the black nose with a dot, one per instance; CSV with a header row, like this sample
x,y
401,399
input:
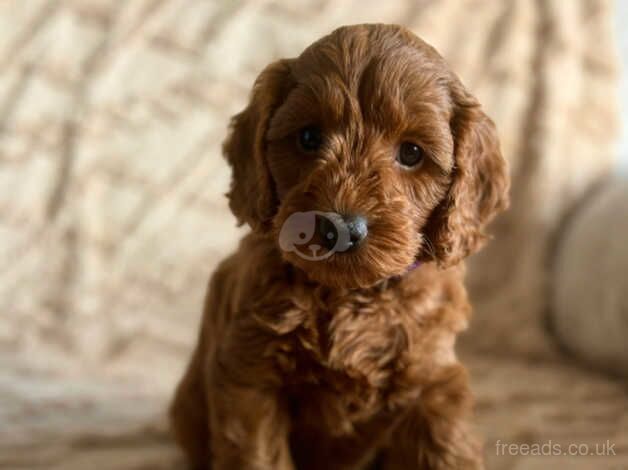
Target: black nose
x,y
341,233
328,231
358,230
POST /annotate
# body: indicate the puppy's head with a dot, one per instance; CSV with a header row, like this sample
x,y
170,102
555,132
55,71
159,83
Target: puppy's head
x,y
363,155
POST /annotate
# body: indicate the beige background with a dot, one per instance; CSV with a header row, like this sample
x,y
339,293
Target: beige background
x,y
112,215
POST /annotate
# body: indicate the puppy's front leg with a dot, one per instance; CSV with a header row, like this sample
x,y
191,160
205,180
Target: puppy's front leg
x,y
435,435
249,422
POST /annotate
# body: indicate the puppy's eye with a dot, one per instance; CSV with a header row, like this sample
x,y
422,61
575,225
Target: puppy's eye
x,y
410,154
310,138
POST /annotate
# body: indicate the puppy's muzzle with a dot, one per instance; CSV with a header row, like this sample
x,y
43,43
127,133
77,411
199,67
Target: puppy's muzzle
x,y
355,226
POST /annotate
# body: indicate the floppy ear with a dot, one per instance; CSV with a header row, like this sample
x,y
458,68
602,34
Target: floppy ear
x,y
479,189
252,197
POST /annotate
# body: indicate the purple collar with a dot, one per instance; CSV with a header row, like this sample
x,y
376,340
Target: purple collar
x,y
413,266
384,284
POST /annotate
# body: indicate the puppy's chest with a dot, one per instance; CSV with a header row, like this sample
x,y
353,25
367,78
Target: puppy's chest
x,y
346,357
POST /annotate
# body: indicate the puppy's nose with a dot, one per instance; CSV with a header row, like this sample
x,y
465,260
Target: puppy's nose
x,y
357,228
328,231
341,233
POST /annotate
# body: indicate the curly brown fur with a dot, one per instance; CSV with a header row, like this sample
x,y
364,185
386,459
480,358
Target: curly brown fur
x,y
349,361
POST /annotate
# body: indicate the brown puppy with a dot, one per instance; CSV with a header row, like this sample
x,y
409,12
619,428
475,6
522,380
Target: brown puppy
x,y
339,354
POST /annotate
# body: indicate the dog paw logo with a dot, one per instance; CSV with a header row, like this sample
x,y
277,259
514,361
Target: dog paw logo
x,y
314,235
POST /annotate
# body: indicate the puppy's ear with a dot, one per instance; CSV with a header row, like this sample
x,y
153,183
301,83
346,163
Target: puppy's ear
x,y
252,196
479,188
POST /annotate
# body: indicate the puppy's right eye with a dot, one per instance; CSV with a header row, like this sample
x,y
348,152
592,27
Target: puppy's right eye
x,y
310,139
410,155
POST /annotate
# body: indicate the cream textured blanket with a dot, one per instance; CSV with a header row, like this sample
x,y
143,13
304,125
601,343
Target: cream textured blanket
x,y
112,215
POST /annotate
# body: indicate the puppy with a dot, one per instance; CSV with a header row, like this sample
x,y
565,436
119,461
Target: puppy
x,y
367,173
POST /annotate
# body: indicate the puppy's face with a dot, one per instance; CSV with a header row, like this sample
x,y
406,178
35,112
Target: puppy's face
x,y
364,155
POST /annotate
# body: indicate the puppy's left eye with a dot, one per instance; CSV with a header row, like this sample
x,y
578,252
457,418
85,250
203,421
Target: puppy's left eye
x,y
310,138
410,154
